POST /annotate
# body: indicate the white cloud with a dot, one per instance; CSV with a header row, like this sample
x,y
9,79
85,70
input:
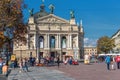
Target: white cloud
x,y
90,42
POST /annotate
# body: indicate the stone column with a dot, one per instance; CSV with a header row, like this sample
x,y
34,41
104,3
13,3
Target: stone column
x,y
45,41
60,56
37,48
28,40
48,40
77,43
34,44
57,41
70,40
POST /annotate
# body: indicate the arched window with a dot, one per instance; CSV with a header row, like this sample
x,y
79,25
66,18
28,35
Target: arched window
x,y
41,41
63,42
52,42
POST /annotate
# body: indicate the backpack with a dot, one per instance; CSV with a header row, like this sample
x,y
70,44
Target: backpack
x,y
118,59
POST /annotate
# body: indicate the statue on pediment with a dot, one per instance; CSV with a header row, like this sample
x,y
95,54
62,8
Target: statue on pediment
x,y
72,14
51,7
31,12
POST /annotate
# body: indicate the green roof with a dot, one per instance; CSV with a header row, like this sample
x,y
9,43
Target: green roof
x,y
42,12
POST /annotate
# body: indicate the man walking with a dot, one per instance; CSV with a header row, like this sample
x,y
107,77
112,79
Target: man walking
x,y
107,61
25,66
118,62
1,65
58,61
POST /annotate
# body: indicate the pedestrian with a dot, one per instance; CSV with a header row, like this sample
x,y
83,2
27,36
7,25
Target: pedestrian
x,y
13,64
25,64
21,65
70,60
107,61
58,61
47,60
112,63
86,58
1,65
66,61
4,69
117,59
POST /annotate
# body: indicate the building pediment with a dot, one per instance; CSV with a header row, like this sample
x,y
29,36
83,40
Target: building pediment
x,y
51,18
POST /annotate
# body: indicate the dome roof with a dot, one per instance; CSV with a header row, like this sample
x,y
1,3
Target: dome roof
x,y
41,13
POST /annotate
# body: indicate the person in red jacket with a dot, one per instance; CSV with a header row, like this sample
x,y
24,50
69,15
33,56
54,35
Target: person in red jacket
x,y
118,61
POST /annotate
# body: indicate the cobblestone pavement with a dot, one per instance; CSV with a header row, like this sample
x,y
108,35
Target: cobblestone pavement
x,y
93,71
2,77
38,73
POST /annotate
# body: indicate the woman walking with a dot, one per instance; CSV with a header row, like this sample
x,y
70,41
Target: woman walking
x,y
25,66
21,65
58,61
107,61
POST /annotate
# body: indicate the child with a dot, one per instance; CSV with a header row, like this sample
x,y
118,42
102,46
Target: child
x,y
113,64
4,69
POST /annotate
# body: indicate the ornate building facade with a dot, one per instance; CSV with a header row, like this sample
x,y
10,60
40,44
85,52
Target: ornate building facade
x,y
50,35
116,38
90,50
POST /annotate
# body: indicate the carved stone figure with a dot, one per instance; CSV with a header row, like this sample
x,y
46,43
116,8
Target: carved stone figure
x,y
31,12
72,14
51,7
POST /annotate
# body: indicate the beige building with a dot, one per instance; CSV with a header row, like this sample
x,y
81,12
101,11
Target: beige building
x,y
116,38
51,35
90,50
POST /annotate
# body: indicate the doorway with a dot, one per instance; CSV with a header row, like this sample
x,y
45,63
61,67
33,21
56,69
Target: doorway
x,y
41,54
52,54
63,56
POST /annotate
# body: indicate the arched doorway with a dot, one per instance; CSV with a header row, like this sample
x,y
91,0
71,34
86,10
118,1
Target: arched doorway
x,y
41,42
63,42
52,42
52,47
41,45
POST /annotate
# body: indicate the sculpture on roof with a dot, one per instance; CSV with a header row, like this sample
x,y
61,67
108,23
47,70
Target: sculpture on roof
x,y
42,1
72,14
31,12
51,7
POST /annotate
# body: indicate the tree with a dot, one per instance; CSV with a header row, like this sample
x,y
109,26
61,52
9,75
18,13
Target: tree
x,y
105,44
11,21
1,39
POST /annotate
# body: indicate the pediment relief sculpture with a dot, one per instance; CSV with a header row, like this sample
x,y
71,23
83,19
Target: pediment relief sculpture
x,y
51,19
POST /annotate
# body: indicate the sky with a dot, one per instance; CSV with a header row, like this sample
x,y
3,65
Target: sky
x,y
99,17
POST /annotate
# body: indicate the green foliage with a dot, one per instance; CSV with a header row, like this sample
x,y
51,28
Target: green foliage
x,y
105,44
11,16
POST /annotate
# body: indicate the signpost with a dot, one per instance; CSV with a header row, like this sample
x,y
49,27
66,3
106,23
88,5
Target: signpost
x,y
13,57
